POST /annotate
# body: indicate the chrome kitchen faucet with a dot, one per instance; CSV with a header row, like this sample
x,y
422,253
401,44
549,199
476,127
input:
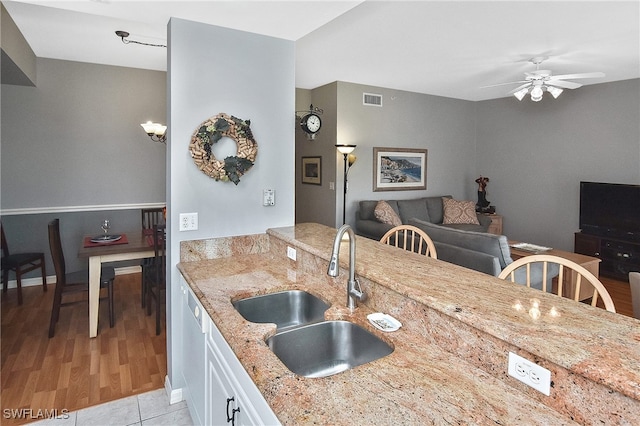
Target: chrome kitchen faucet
x,y
354,291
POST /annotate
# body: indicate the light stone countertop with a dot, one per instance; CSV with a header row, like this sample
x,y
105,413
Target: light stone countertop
x,y
450,357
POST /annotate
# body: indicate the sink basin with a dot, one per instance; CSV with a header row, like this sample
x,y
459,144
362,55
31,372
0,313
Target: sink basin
x,y
286,308
326,348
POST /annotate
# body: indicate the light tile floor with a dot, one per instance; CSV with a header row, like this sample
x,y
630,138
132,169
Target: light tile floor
x,y
147,409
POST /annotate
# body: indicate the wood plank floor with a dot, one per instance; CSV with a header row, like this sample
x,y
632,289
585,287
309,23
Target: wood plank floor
x,y
71,371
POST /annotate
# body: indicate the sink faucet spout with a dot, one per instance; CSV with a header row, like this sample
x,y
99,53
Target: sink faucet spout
x,y
354,291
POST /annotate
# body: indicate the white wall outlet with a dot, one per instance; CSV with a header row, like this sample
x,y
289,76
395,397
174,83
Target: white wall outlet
x,y
269,197
530,373
188,221
332,186
291,253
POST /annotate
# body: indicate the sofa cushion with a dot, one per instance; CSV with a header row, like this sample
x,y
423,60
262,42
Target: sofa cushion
x,y
416,207
456,211
385,214
471,259
495,245
434,208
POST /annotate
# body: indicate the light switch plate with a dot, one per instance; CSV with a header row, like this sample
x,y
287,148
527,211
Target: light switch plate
x,y
269,197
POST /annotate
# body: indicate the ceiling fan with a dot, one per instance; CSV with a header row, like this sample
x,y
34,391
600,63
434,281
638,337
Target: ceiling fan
x,y
539,81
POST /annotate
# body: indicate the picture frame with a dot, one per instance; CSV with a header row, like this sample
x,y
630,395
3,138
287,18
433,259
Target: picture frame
x,y
312,170
399,169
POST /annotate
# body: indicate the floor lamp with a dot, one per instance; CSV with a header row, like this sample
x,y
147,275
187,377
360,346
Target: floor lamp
x,y
345,150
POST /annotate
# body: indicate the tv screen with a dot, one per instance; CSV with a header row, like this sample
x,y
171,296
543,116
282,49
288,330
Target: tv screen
x,y
610,209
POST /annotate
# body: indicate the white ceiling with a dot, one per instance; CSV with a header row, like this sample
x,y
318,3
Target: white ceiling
x,y
444,48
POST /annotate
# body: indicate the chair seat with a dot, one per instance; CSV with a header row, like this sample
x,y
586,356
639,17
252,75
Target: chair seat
x,y
17,259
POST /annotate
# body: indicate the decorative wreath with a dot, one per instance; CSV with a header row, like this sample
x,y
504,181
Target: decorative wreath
x,y
210,132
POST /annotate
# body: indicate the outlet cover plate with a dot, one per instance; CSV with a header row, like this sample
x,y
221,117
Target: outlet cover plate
x,y
188,221
530,373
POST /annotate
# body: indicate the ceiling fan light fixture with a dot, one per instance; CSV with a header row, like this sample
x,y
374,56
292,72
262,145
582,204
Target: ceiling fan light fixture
x,y
536,94
555,91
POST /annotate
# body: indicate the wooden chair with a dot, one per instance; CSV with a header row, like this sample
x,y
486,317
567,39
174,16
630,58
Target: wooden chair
x,y
410,238
73,282
634,282
150,218
20,263
581,275
155,275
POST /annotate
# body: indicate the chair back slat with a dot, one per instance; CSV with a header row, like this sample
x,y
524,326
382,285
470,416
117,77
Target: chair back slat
x,y
5,247
151,217
410,238
55,245
573,269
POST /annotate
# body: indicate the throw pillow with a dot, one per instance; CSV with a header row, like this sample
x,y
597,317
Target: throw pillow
x,y
385,214
459,212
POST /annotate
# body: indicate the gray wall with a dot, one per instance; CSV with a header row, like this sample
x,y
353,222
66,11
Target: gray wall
x,y
443,126
75,139
73,148
214,70
537,153
317,203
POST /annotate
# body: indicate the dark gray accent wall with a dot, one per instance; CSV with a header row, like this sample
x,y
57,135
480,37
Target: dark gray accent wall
x,y
536,153
76,140
317,203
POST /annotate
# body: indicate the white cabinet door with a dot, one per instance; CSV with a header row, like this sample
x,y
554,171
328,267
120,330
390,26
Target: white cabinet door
x,y
232,397
222,402
194,322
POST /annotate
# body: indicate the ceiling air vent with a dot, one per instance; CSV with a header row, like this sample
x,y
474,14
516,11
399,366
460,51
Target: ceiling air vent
x,y
371,99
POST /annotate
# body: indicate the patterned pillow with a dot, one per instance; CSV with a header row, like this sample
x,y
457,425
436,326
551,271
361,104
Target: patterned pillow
x,y
385,214
459,212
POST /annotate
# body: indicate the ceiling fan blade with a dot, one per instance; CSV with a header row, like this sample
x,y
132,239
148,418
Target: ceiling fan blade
x,y
574,76
504,84
563,84
520,88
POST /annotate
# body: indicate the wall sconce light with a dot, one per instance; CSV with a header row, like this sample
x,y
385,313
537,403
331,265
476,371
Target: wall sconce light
x,y
156,131
349,159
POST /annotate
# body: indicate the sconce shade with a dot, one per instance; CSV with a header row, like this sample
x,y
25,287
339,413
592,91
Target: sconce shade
x,y
156,131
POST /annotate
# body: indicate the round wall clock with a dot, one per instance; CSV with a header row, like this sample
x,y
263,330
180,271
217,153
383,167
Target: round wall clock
x,y
311,123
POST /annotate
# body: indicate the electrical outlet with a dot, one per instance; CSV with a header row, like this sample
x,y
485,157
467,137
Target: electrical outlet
x,y
291,253
530,373
188,221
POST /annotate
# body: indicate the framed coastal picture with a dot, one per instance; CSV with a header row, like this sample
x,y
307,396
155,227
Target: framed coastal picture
x,y
312,170
399,169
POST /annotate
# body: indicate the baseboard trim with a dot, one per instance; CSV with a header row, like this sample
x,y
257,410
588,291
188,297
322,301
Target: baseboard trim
x,y
51,279
175,395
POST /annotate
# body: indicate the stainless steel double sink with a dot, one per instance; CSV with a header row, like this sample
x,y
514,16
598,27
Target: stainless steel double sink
x,y
307,344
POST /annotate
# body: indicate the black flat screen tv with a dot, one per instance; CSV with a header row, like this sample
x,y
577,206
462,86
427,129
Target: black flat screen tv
x,y
610,210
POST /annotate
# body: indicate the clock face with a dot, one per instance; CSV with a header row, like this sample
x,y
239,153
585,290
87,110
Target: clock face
x,y
312,123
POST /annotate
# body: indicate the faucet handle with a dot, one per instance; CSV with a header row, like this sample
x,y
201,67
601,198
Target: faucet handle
x,y
356,291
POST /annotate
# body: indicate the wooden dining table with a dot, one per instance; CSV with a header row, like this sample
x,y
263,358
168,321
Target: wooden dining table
x,y
136,245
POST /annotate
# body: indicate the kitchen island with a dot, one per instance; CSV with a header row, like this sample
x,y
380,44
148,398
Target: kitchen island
x,y
449,363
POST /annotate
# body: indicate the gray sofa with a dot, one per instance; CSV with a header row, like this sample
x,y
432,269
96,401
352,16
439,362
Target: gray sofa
x,y
428,209
480,251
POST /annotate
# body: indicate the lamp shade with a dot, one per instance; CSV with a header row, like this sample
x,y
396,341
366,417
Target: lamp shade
x,y
345,149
